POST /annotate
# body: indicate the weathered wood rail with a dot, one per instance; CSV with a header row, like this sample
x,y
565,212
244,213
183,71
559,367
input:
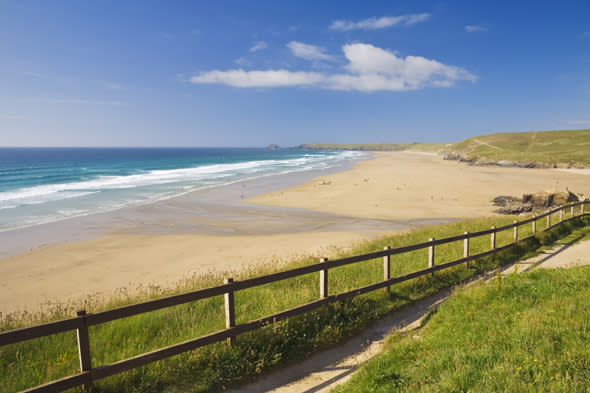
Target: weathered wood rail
x,y
82,321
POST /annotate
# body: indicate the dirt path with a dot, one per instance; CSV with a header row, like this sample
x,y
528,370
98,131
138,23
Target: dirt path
x,y
325,370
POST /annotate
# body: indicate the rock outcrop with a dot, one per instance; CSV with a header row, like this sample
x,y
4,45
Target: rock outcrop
x,y
481,161
545,199
538,201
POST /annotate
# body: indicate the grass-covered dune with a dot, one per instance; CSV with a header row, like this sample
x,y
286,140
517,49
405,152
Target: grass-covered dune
x,y
217,366
544,148
518,333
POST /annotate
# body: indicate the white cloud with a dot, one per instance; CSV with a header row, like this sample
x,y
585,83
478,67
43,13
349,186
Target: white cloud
x,y
259,45
475,29
270,78
375,23
308,52
579,122
369,69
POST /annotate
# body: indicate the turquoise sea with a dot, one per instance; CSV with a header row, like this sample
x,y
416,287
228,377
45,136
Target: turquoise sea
x,y
41,185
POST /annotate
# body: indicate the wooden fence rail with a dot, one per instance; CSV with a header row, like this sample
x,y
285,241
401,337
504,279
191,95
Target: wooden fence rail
x,y
82,321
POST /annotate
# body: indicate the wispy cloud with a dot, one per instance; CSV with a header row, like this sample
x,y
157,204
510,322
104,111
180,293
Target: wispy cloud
x,y
259,45
375,23
242,61
113,86
579,122
308,52
74,101
11,117
33,74
586,34
270,78
369,69
475,29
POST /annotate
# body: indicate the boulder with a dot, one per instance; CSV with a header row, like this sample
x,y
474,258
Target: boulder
x,y
515,209
545,199
504,200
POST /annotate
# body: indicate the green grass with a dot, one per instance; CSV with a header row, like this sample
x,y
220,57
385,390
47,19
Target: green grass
x,y
520,333
214,367
422,147
548,147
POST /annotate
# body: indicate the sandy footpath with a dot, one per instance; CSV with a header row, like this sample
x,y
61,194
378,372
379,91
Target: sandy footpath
x,y
166,242
325,370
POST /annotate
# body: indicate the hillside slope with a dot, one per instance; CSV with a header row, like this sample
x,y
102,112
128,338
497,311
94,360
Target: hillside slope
x,y
569,148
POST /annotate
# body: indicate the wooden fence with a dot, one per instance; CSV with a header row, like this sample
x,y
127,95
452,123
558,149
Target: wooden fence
x,y
82,321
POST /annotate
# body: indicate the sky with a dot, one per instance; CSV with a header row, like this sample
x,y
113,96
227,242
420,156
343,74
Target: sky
x,y
252,73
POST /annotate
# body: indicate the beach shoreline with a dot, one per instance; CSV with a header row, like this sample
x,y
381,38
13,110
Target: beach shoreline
x,y
235,227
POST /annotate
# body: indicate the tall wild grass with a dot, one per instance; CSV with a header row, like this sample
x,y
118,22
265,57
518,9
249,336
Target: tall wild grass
x,y
217,366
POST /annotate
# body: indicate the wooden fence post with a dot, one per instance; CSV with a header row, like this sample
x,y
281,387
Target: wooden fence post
x,y
549,219
561,215
582,209
493,239
323,280
84,347
431,255
230,311
572,211
515,235
466,248
534,224
386,268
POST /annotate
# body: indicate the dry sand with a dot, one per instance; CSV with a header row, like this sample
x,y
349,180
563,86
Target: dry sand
x,y
390,188
68,272
404,185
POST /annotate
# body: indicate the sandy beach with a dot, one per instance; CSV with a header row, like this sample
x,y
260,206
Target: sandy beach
x,y
405,185
198,233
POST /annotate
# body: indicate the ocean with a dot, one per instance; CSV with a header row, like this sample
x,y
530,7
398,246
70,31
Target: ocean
x,y
42,185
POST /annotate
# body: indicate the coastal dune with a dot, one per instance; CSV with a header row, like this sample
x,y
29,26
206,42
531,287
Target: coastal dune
x,y
394,187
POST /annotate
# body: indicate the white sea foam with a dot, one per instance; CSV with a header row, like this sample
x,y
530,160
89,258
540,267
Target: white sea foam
x,y
106,193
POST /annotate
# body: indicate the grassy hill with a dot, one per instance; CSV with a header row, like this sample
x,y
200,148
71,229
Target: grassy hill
x,y
569,148
549,148
522,333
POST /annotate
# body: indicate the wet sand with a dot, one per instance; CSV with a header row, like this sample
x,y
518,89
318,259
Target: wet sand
x,y
216,231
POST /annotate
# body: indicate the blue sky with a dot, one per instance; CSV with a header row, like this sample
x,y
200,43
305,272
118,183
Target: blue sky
x,y
251,73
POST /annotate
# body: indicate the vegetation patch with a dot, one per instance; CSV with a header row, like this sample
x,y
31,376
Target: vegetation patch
x,y
217,366
567,149
520,333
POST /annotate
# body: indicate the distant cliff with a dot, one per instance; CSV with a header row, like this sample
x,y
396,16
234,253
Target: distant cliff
x,y
426,147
